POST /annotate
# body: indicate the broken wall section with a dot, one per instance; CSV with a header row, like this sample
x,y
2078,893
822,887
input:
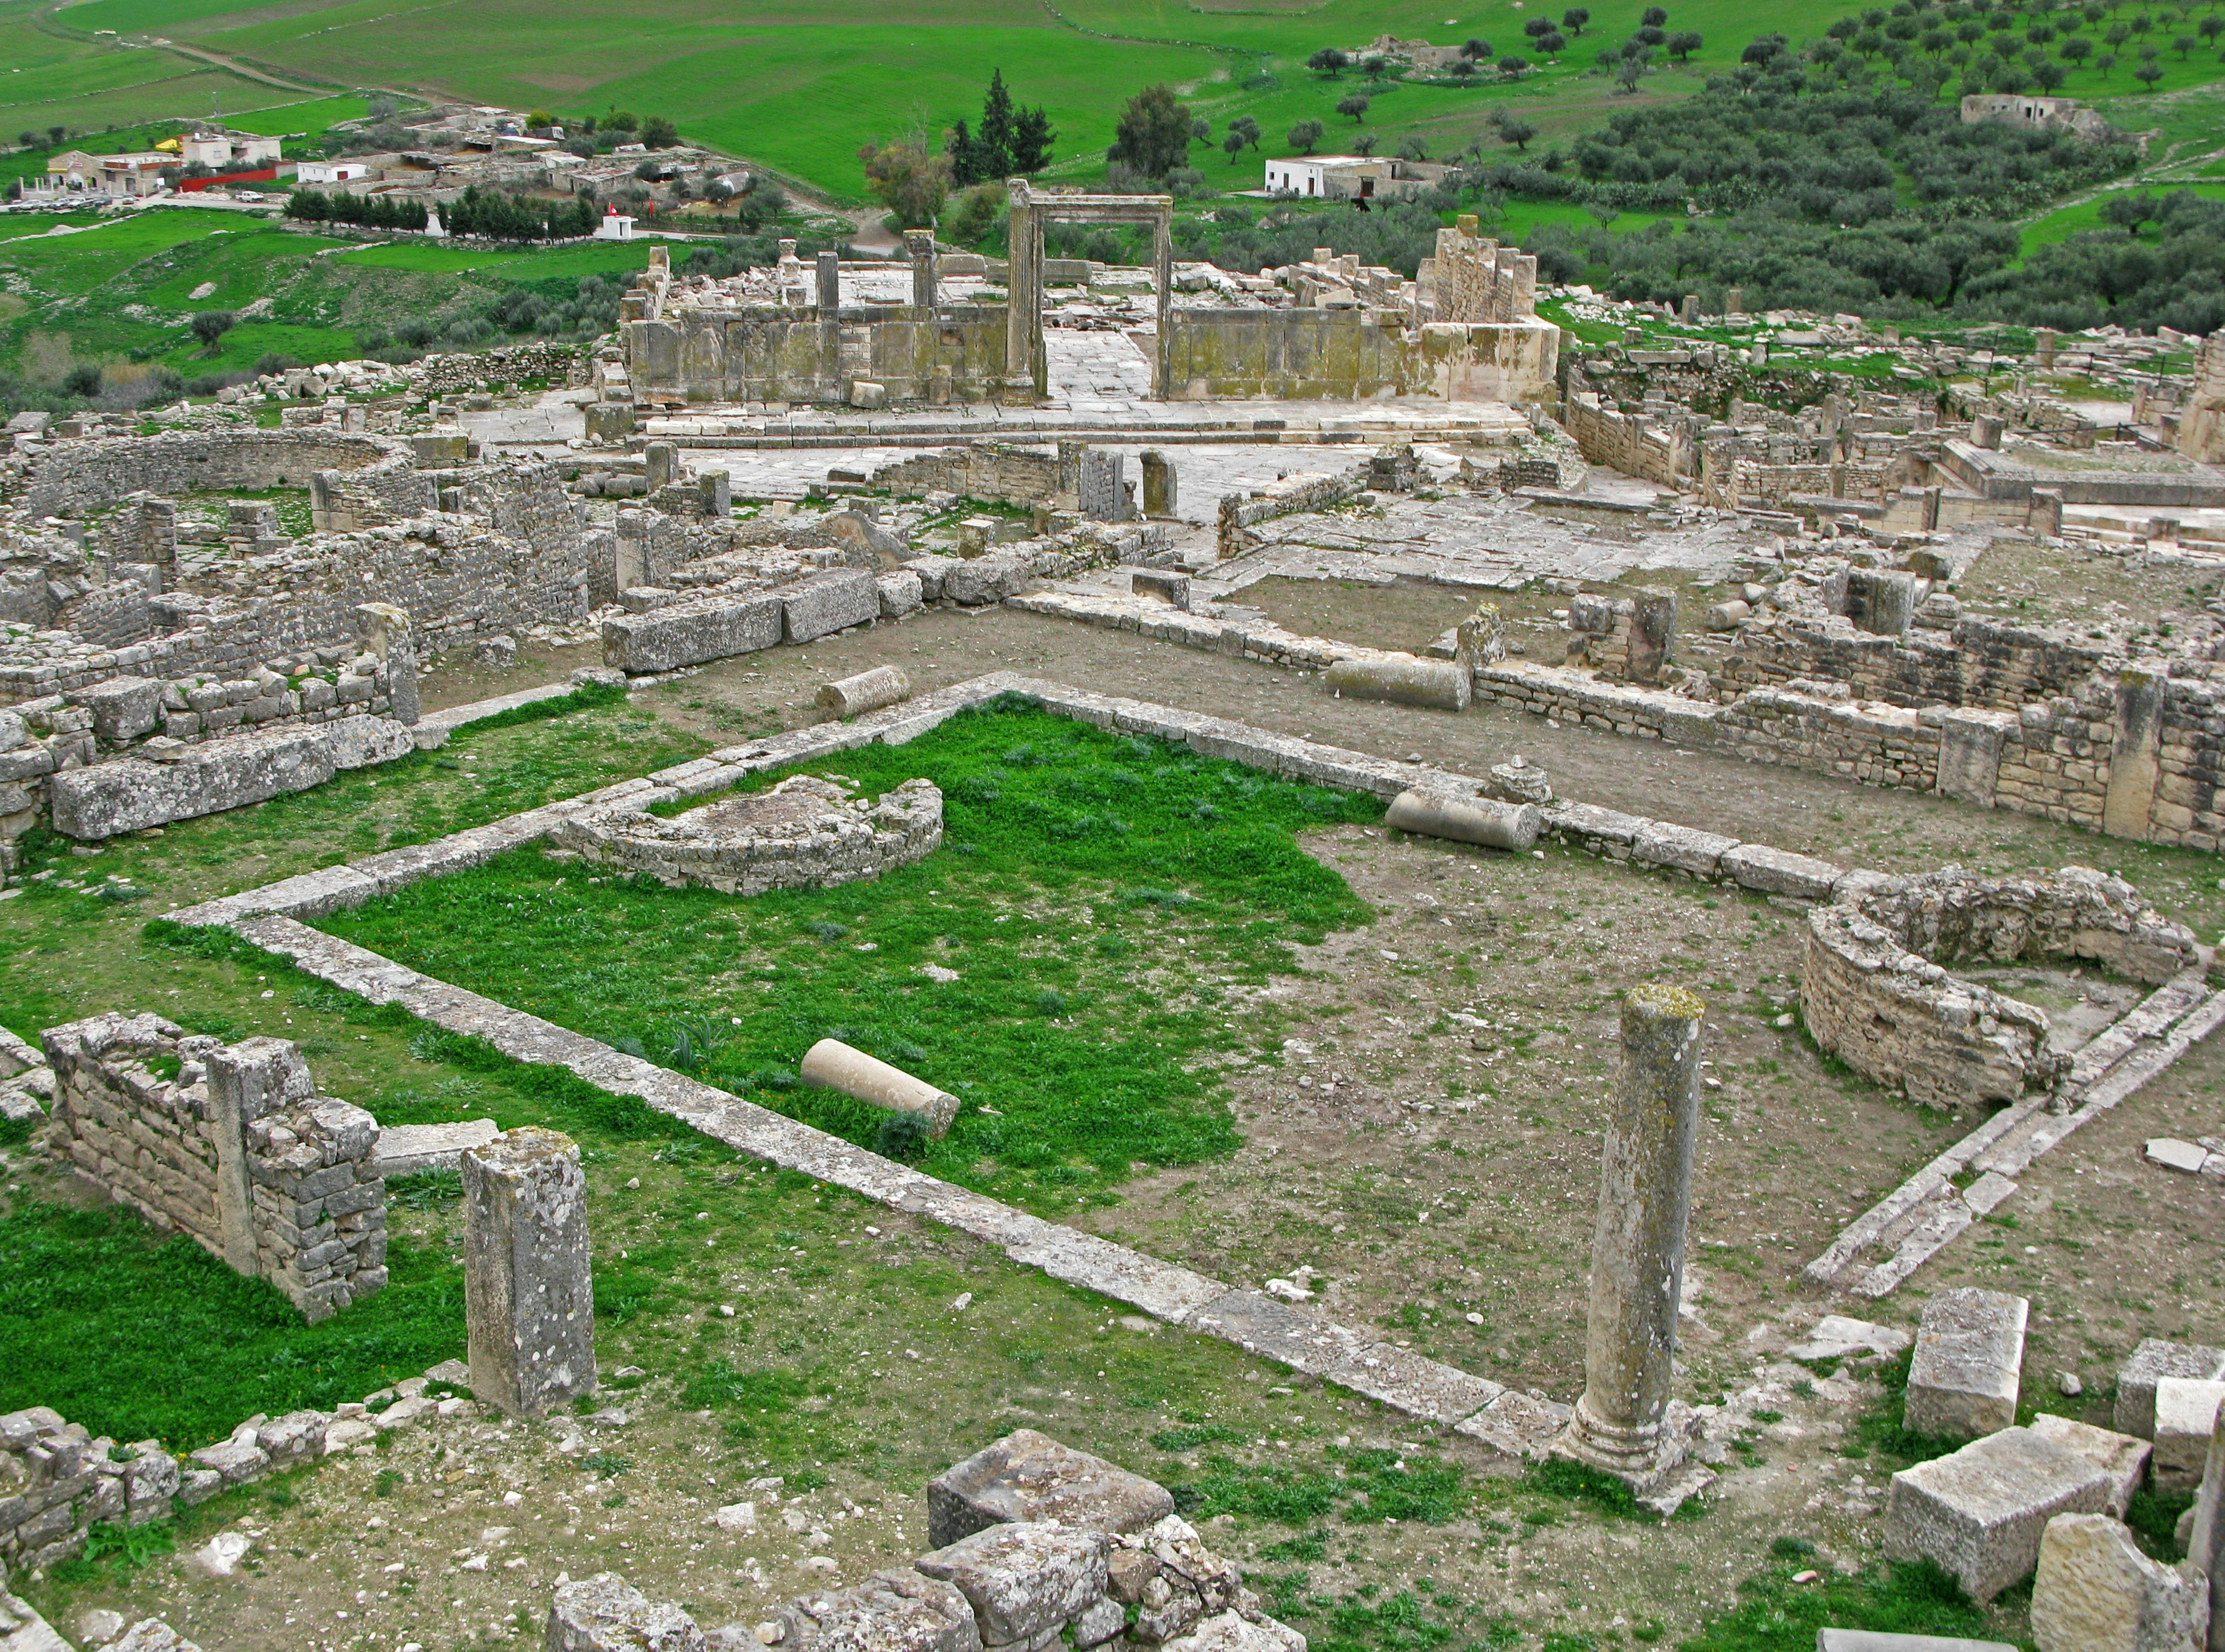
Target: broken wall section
x,y
230,1145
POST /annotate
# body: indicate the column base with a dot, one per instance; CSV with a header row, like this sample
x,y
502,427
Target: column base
x,y
1655,1463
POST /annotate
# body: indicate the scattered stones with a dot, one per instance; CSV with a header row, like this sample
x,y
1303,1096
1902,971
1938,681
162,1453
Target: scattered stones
x,y
2121,1457
2096,1592
2185,1417
1979,1513
1835,1337
605,1613
2151,1361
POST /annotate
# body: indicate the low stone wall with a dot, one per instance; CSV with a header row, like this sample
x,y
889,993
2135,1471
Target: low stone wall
x,y
993,470
1291,496
76,476
1875,990
804,833
1350,353
230,1145
506,364
60,1480
690,355
1980,662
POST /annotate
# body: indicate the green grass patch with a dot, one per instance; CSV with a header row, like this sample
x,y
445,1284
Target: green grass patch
x,y
94,1309
1075,1060
1775,1614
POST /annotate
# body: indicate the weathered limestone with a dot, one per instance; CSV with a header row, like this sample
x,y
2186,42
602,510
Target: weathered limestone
x,y
1158,484
897,1611
148,1634
2151,1361
2123,1458
1979,1513
835,1065
868,690
1622,1424
529,1301
2096,1592
2186,1415
404,1149
1028,1476
605,1613
1405,679
132,794
1963,1377
828,602
2205,1546
804,833
1023,1578
1482,820
386,634
1870,1640
693,632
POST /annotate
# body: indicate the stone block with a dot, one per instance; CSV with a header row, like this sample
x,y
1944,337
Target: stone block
x,y
2186,1415
828,602
1777,872
987,579
2121,1457
605,1613
1028,1476
1681,848
359,742
2151,1361
901,592
529,1302
896,1611
2096,1592
1870,1640
691,633
1979,1513
403,1149
1230,1631
441,449
238,1459
1161,585
1025,1579
122,708
130,794
1964,1377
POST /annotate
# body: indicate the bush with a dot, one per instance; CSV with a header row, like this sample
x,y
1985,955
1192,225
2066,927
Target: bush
x,y
269,364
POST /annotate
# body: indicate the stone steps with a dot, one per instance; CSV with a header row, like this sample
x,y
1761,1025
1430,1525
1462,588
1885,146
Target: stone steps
x,y
1927,1212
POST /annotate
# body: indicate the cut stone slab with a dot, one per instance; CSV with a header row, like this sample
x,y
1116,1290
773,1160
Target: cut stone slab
x,y
2121,1457
1870,1640
1777,872
605,1613
2096,1592
148,1634
828,602
130,793
21,1629
1837,1337
1964,1377
2152,1361
693,633
1685,849
2185,1416
1229,1632
1028,1476
1024,1580
2174,1155
1979,1513
897,1611
403,1149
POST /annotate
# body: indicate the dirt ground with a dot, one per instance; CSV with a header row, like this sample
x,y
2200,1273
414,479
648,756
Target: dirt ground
x,y
2055,585
1427,1141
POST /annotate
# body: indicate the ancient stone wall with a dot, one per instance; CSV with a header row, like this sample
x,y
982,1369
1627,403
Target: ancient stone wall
x,y
79,477
691,355
993,471
60,1480
505,364
229,1145
1980,663
1347,353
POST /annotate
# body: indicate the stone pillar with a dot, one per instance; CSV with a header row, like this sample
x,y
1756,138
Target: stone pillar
x,y
1985,431
2205,1547
2045,515
1525,298
830,285
714,493
247,1080
632,564
1100,490
1688,313
1070,451
1638,1245
386,634
2044,339
920,244
529,1301
1734,301
1158,484
660,465
2135,758
1023,283
1502,285
1163,277
1653,635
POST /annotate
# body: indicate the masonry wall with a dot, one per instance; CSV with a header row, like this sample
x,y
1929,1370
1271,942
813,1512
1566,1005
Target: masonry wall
x,y
995,471
773,355
60,1480
79,477
1980,662
135,1111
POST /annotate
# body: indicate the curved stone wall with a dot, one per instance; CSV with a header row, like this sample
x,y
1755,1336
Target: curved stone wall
x,y
1876,991
804,833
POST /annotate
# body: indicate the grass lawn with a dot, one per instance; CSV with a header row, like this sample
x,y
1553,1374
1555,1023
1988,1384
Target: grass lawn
x,y
2065,222
542,264
1105,902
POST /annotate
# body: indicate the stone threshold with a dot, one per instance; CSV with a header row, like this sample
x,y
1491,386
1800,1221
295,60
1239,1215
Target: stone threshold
x,y
1927,1212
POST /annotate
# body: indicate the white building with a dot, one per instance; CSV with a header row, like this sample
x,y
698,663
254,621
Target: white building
x,y
1350,177
615,227
330,172
222,151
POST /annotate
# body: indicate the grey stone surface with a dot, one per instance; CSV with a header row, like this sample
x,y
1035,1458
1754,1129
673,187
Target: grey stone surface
x,y
896,1611
403,1149
1028,1476
2094,1592
868,690
1681,849
828,602
148,1634
1023,1579
529,1302
1963,1377
2121,1457
132,794
2185,1416
990,577
122,707
1637,1241
1777,872
605,1613
1981,1512
901,592
2151,1361
359,742
692,632
1231,1632
1403,680
1486,821
1870,1640
2205,1537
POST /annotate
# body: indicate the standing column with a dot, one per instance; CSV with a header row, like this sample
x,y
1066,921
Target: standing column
x,y
246,1080
529,1302
386,634
920,244
1162,272
1638,1246
1024,301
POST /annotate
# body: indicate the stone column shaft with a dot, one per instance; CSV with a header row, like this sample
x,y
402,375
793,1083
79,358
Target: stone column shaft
x,y
528,1296
1638,1246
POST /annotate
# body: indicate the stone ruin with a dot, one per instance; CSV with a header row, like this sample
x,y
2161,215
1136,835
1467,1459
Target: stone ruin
x,y
1036,1546
805,833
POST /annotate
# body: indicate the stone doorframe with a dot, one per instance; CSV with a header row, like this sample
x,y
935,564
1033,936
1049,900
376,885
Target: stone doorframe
x,y
1026,367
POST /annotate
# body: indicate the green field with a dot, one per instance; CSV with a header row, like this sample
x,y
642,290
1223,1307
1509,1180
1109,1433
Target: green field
x,y
549,264
2062,225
